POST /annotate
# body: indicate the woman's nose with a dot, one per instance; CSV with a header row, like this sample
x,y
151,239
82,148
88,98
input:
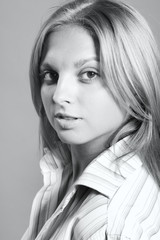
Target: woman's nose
x,y
64,90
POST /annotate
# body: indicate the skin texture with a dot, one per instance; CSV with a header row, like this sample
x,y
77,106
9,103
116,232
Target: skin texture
x,y
72,88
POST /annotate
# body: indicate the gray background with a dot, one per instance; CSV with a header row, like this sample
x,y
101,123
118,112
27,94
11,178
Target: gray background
x,y
20,177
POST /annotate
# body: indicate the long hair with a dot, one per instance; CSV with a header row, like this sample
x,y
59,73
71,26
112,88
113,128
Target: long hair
x,y
130,69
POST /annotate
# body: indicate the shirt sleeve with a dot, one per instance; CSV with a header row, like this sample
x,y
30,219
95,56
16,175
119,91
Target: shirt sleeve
x,y
45,201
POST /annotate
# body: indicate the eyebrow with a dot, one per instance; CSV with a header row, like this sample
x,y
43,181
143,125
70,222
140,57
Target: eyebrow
x,y
81,62
44,66
77,64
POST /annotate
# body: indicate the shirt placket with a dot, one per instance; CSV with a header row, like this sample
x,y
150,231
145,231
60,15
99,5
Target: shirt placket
x,y
45,230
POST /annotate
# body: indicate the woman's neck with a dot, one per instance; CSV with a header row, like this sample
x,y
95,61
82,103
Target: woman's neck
x,y
83,154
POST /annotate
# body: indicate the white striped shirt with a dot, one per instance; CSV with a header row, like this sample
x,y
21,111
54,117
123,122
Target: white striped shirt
x,y
108,201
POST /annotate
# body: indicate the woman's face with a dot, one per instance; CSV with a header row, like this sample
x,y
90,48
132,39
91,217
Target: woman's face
x,y
76,103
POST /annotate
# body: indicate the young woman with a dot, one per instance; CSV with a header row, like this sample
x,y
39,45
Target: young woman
x,y
95,79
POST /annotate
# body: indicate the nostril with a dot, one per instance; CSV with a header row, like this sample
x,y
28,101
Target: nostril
x,y
67,101
63,94
59,98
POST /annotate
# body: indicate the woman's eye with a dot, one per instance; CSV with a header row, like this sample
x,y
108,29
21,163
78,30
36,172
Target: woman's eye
x,y
88,76
49,77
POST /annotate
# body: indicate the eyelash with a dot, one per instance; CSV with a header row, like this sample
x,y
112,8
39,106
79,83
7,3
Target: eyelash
x,y
52,79
53,76
88,79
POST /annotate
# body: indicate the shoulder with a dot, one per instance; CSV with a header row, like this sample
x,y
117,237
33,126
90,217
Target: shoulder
x,y
51,167
134,210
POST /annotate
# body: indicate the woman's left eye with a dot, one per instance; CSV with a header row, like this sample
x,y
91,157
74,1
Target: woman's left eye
x,y
88,75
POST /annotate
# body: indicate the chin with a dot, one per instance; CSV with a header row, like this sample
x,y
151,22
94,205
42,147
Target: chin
x,y
70,140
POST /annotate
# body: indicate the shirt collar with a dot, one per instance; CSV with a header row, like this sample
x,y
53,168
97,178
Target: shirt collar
x,y
106,173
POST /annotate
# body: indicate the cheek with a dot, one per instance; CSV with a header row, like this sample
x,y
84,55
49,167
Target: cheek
x,y
113,115
43,97
105,112
46,98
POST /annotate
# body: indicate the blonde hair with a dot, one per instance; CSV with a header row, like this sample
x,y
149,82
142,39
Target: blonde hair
x,y
130,68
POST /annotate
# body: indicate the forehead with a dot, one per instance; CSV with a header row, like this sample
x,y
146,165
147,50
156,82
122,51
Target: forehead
x,y
69,41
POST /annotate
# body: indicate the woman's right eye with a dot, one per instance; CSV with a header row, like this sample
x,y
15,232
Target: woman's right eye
x,y
49,77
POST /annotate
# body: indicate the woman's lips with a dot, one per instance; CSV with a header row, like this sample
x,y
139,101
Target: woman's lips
x,y
67,121
65,116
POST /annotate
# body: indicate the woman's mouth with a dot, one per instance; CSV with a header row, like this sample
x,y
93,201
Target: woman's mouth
x,y
65,116
66,121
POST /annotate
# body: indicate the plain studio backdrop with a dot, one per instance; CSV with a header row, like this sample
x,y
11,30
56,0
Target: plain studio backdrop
x,y
20,176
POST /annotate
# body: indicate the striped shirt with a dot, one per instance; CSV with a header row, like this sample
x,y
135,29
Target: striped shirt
x,y
108,201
